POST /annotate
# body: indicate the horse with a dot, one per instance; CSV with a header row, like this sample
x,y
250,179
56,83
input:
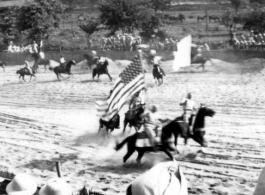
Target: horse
x,y
200,18
158,74
24,71
176,128
102,68
91,60
202,61
38,60
66,69
110,125
3,64
214,18
133,118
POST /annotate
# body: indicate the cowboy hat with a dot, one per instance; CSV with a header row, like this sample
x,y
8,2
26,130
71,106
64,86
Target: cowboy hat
x,y
22,184
94,52
56,186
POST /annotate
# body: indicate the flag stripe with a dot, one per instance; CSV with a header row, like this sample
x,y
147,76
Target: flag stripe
x,y
120,102
129,82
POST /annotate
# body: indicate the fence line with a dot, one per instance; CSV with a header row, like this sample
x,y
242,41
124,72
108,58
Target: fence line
x,y
225,55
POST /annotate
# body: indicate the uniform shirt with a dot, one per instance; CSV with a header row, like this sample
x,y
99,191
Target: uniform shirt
x,y
188,104
62,60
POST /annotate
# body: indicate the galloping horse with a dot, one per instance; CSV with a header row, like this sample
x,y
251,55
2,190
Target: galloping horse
x,y
158,74
91,60
102,68
175,128
24,71
38,60
110,125
3,64
133,118
65,69
201,61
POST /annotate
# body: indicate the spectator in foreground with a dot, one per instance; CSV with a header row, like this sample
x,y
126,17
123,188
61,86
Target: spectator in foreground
x,y
164,178
56,186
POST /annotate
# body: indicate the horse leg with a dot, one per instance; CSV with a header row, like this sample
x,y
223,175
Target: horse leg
x,y
124,126
140,156
58,76
109,76
23,78
168,153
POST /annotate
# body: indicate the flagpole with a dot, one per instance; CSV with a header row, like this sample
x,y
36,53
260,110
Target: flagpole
x,y
141,61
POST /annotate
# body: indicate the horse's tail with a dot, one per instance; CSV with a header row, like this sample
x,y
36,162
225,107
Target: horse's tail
x,y
120,145
17,72
50,68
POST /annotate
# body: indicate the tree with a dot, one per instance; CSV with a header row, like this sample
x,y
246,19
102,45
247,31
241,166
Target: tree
x,y
38,18
236,4
261,2
123,14
161,5
8,25
89,28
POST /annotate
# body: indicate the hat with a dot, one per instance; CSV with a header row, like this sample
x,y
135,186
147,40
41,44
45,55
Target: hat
x,y
22,184
94,52
56,186
163,178
152,52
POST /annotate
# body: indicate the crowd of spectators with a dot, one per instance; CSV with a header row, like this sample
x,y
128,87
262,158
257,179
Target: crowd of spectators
x,y
31,48
251,41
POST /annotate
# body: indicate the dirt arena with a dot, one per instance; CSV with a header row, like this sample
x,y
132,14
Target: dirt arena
x,y
47,121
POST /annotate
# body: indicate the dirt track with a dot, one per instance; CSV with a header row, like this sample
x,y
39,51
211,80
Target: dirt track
x,y
46,120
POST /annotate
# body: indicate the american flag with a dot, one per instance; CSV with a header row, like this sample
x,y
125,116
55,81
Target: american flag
x,y
129,82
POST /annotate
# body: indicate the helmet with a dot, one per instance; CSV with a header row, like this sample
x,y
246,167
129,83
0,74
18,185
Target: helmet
x,y
189,95
94,52
153,52
153,108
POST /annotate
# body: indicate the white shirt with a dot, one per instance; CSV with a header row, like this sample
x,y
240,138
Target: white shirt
x,y
188,104
62,60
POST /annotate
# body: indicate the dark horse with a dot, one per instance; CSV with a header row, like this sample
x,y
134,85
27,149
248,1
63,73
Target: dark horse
x,y
65,69
133,118
174,127
201,60
158,74
3,64
91,60
24,71
110,125
102,68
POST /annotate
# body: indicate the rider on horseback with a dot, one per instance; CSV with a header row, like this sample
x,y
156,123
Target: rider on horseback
x,y
188,111
27,66
156,61
152,124
62,61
